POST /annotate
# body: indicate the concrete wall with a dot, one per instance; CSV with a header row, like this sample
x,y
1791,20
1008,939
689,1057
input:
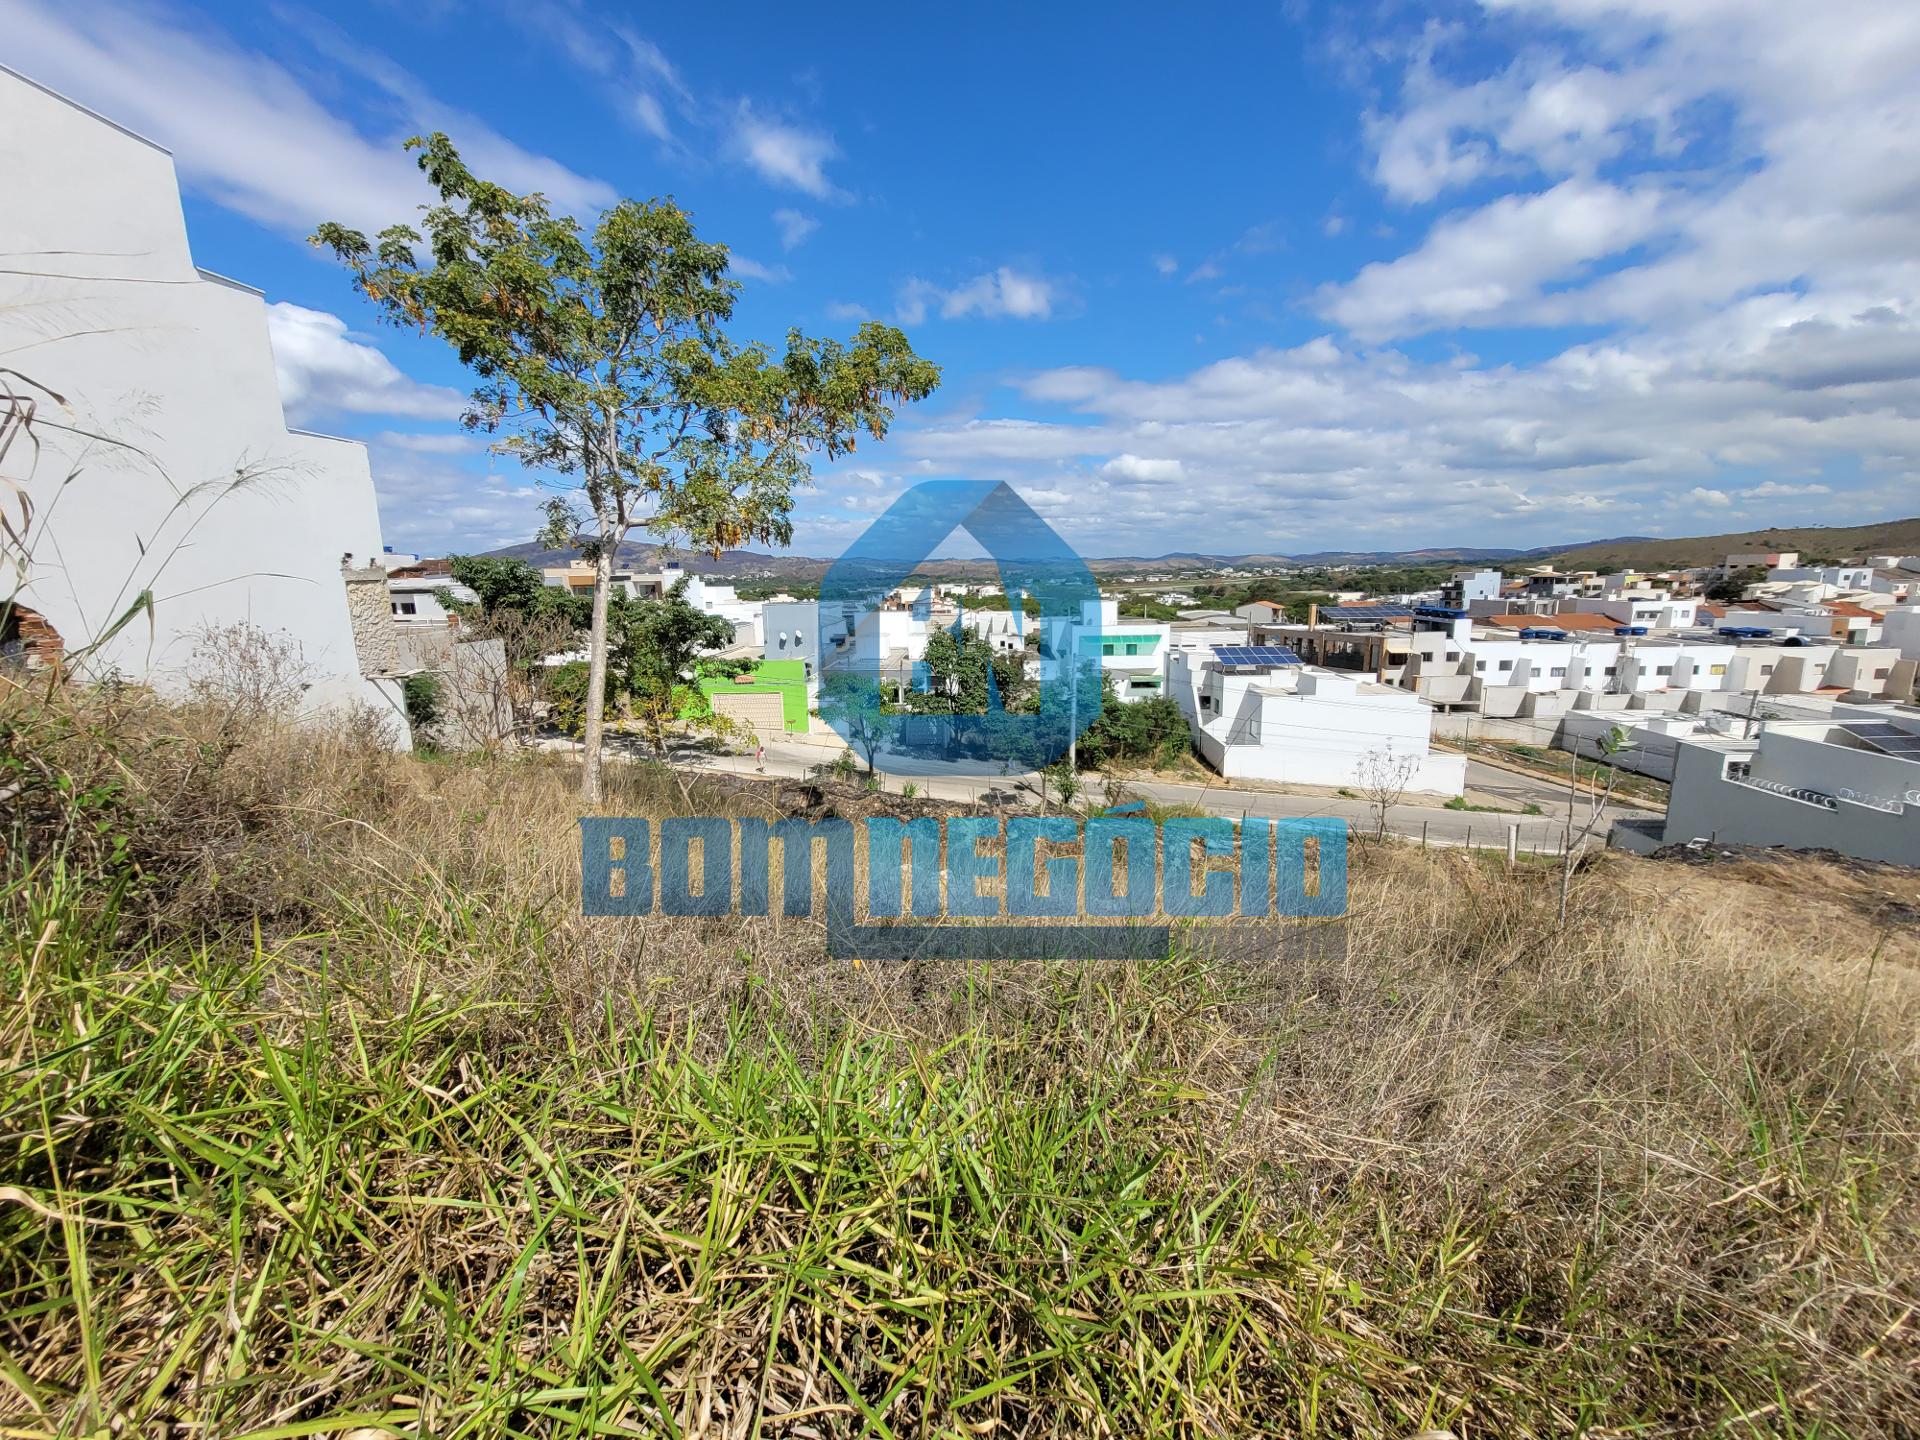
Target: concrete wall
x,y
198,491
1705,805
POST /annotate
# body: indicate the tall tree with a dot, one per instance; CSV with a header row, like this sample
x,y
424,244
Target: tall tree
x,y
602,356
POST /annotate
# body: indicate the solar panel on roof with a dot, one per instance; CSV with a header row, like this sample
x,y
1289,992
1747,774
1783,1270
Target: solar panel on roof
x,y
1255,655
1887,739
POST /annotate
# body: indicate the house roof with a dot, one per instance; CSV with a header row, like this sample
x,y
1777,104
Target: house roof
x,y
1554,622
424,569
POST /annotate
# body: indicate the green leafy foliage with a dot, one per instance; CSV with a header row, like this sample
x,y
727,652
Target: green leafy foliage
x,y
965,674
602,355
1147,733
655,645
505,584
424,704
1733,585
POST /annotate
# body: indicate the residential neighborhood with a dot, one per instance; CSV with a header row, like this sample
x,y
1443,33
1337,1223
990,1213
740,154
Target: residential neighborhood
x,y
1559,660
959,722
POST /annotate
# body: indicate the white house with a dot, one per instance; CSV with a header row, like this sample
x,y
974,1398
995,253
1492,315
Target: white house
x,y
187,483
1840,577
1133,652
1846,785
1639,606
415,599
1004,630
1302,725
1900,631
724,600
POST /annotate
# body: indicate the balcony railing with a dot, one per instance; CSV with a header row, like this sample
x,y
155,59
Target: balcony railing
x,y
1787,792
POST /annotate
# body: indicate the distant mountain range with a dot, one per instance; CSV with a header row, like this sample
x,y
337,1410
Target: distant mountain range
x,y
1901,537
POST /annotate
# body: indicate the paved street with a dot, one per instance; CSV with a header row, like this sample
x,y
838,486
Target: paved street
x,y
1487,785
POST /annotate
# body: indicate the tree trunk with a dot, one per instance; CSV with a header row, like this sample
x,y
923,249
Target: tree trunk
x,y
597,666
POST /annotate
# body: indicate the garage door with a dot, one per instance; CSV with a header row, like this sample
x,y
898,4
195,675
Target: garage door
x,y
761,712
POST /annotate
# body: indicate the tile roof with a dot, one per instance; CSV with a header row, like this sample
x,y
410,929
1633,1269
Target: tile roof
x,y
1577,621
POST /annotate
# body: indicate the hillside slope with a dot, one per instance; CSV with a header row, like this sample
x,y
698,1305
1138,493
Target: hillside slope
x,y
1817,542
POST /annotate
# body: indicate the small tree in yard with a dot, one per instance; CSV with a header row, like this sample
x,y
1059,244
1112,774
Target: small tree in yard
x,y
853,705
1384,776
1615,743
657,643
602,357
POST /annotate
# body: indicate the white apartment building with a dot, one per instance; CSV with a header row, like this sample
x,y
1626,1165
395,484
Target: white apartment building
x,y
1840,577
1846,785
1302,725
724,601
1132,652
155,392
1654,609
1467,586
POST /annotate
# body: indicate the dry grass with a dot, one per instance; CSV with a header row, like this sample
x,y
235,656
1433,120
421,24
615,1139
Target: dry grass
x,y
324,1111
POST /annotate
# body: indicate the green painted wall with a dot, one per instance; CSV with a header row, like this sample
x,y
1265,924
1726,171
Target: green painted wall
x,y
785,678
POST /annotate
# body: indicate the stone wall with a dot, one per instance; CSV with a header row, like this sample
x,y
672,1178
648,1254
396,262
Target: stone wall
x,y
375,637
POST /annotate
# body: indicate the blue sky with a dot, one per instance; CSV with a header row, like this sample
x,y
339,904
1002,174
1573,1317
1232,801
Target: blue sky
x,y
1514,272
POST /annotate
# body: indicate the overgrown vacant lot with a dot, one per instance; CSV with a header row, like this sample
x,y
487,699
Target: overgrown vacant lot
x,y
324,1112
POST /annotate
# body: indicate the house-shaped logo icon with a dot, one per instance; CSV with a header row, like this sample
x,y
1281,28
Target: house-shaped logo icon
x,y
888,707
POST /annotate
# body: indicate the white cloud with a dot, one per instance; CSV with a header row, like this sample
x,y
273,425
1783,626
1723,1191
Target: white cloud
x,y
848,311
1327,443
1005,293
794,227
1774,490
1773,141
1135,467
785,154
1165,264
1476,267
243,130
444,443
747,269
322,370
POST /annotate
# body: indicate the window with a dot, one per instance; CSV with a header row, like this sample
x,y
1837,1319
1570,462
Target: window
x,y
1611,669
1558,672
403,607
1719,669
1479,665
1506,664
1663,670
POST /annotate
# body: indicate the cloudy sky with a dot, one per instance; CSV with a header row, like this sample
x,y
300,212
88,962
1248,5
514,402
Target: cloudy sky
x,y
1512,272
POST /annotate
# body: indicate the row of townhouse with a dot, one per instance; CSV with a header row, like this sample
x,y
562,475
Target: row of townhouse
x,y
1896,576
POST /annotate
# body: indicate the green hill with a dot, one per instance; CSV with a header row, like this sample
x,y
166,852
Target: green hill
x,y
1815,542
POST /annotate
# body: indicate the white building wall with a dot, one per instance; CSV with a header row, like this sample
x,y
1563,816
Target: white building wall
x,y
1308,726
1707,803
1900,630
198,490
